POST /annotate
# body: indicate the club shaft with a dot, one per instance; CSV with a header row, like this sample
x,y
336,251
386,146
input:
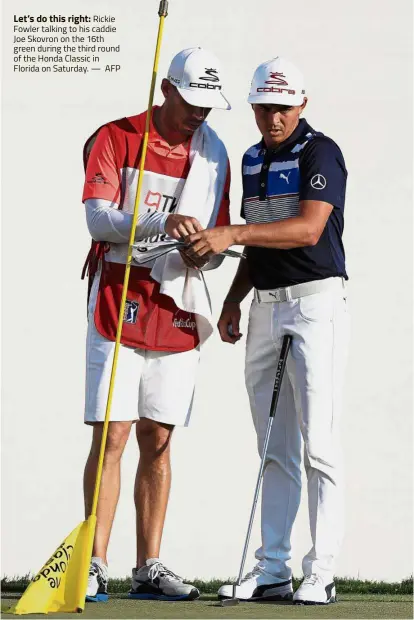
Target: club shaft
x,y
275,397
256,497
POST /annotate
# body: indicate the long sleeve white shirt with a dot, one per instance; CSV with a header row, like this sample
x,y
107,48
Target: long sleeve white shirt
x,y
106,223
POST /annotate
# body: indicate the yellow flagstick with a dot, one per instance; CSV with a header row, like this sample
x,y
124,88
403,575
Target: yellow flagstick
x,y
60,586
162,12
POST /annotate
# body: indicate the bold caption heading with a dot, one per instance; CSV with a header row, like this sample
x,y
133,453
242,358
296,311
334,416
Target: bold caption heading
x,y
71,19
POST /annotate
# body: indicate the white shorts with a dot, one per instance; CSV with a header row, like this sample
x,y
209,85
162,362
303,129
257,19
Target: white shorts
x,y
158,385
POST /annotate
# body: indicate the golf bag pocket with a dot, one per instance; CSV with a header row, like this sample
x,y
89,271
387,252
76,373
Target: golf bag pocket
x,y
151,320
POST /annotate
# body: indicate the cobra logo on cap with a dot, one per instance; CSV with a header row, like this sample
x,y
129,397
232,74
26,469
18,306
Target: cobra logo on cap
x,y
277,78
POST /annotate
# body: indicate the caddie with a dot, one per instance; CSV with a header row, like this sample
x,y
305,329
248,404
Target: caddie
x,y
294,182
185,189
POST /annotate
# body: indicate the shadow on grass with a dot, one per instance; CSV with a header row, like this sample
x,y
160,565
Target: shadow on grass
x,y
251,603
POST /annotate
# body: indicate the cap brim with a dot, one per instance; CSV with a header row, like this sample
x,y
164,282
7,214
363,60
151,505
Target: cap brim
x,y
204,98
276,98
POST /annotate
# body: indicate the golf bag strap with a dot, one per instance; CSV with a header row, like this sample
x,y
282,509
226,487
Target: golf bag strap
x,y
99,248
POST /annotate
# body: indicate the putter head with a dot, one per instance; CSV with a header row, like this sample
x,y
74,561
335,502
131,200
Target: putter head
x,y
229,602
233,601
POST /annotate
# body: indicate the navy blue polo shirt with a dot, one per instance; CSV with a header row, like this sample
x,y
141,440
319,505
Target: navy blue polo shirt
x,y
307,166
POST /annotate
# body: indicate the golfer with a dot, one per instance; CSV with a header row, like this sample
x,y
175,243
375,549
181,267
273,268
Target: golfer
x,y
161,341
294,183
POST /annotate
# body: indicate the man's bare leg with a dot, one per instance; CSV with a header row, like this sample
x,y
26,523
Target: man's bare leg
x,y
152,486
118,433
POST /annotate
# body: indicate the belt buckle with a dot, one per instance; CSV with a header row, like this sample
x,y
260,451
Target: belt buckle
x,y
275,294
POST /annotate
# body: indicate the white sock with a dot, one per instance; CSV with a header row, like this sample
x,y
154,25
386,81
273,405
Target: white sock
x,y
99,561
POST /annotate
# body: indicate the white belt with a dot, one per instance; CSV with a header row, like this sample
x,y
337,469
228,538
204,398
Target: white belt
x,y
298,290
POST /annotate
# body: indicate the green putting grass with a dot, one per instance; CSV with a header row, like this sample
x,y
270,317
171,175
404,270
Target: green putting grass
x,y
343,585
357,599
349,606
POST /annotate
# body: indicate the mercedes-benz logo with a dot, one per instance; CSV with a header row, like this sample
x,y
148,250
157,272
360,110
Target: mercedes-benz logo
x,y
318,181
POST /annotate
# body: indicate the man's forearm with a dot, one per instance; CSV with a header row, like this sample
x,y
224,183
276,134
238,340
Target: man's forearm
x,y
105,223
293,232
241,285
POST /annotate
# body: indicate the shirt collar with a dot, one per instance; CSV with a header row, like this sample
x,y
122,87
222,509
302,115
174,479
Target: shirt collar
x,y
154,138
153,135
301,130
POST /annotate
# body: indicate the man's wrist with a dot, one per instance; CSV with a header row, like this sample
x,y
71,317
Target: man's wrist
x,y
236,233
163,222
232,300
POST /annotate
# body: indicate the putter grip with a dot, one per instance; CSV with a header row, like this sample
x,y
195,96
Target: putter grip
x,y
163,9
279,373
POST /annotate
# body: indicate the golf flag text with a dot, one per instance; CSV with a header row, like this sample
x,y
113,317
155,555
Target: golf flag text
x,y
60,585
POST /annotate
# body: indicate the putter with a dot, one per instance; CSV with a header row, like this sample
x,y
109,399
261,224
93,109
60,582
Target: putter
x,y
287,340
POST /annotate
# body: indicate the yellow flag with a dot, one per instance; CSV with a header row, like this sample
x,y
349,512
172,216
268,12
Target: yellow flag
x,y
61,583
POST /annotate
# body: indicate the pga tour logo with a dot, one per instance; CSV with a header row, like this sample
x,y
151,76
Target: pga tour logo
x,y
131,312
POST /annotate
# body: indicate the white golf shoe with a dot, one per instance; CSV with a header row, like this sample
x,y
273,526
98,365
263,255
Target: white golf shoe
x,y
259,585
314,590
155,581
97,590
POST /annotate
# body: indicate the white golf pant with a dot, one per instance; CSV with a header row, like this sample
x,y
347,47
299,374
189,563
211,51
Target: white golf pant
x,y
309,406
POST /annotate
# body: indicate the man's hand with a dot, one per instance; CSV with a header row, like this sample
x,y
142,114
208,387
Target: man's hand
x,y
195,262
211,241
229,322
180,226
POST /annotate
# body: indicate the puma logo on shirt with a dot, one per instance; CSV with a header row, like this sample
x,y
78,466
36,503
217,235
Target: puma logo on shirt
x,y
284,176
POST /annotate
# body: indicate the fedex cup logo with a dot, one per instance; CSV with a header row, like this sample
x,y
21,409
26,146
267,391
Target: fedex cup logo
x,y
186,323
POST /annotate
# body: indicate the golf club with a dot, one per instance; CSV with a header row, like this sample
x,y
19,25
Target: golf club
x,y
228,602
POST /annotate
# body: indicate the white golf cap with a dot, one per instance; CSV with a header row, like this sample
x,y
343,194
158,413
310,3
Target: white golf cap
x,y
196,73
277,81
